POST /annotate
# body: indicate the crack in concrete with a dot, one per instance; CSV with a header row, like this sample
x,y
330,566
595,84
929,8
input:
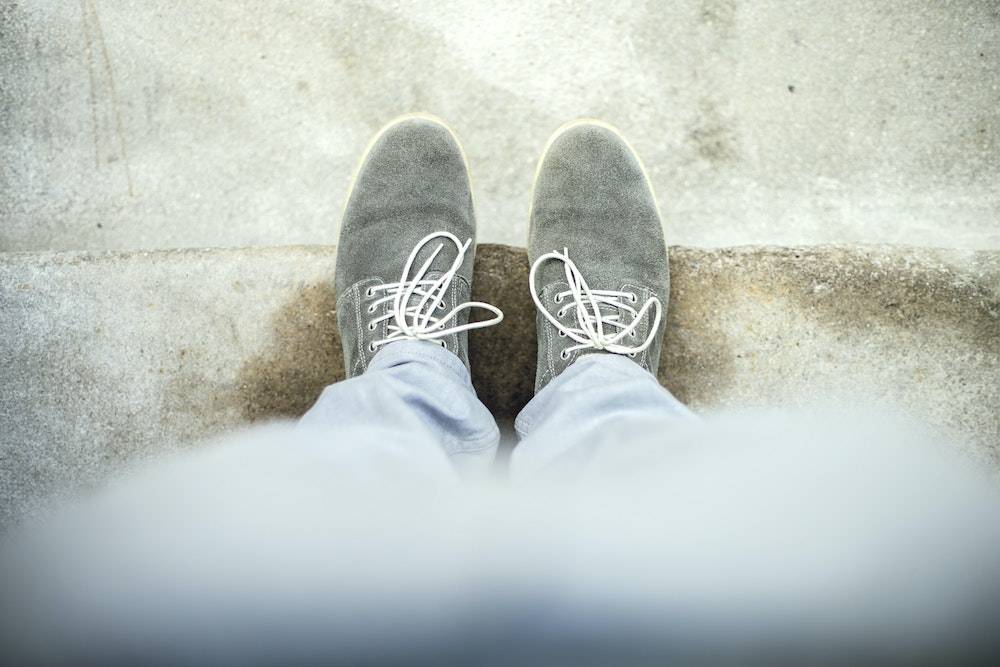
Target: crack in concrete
x,y
92,32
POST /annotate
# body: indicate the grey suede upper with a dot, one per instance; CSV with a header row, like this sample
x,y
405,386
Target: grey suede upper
x,y
412,181
592,198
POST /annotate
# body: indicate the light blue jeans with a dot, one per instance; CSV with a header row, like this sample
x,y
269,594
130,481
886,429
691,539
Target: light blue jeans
x,y
631,533
416,402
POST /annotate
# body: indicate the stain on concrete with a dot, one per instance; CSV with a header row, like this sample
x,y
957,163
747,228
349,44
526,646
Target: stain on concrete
x,y
303,357
720,14
503,367
740,310
427,57
9,25
696,362
305,353
712,135
906,288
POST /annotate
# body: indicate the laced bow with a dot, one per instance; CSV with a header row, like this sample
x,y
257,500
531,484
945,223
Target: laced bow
x,y
417,300
596,328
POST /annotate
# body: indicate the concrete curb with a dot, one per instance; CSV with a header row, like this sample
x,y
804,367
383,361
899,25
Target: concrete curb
x,y
110,357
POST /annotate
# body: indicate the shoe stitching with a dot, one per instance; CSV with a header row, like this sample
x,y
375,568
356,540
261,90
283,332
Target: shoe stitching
x,y
362,362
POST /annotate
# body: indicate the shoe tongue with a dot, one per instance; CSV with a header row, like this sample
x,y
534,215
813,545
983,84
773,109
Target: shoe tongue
x,y
605,309
442,261
554,271
416,297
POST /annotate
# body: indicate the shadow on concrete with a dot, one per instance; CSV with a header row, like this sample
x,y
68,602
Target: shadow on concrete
x,y
503,357
304,357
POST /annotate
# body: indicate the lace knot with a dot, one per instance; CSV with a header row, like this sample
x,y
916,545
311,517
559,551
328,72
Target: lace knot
x,y
416,300
596,329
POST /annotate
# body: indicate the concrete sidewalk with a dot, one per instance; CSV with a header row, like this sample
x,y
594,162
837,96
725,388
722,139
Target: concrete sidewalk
x,y
110,357
203,123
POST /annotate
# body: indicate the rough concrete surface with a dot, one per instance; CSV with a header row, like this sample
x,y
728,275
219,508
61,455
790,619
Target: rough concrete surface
x,y
188,123
110,357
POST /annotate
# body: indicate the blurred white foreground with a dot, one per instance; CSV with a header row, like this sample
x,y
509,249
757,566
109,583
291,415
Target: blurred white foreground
x,y
747,538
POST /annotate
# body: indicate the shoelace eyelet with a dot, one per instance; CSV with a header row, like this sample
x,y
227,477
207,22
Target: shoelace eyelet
x,y
371,347
371,309
369,293
633,297
562,334
563,355
371,326
558,298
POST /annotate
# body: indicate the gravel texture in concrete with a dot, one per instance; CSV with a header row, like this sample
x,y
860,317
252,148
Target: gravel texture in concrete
x,y
193,123
107,358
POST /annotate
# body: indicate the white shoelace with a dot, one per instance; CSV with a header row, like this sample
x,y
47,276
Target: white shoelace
x,y
592,322
418,321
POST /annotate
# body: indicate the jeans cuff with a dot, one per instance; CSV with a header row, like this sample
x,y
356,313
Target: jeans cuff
x,y
409,350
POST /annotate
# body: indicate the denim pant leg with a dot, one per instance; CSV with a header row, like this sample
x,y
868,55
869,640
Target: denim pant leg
x,y
415,405
597,402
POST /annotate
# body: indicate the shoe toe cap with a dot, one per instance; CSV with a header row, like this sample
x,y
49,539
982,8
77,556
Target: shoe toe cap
x,y
416,164
412,181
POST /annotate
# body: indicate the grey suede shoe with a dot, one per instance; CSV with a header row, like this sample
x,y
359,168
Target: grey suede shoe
x,y
407,245
599,274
